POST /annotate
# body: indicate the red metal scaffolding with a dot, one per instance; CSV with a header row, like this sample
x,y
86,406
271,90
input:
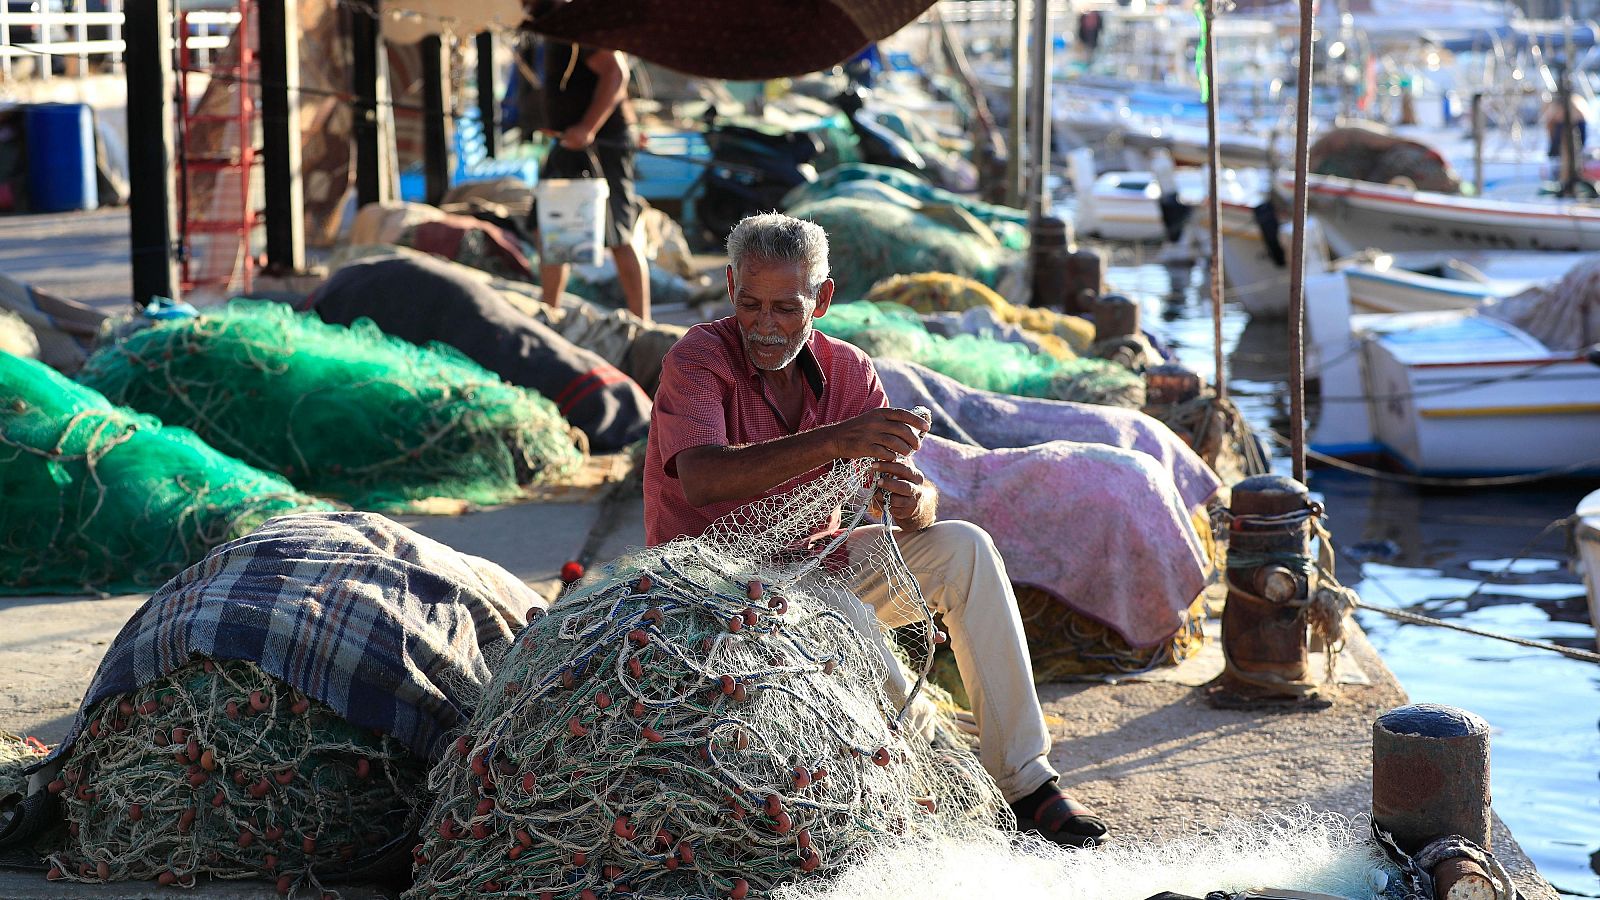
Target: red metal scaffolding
x,y
218,154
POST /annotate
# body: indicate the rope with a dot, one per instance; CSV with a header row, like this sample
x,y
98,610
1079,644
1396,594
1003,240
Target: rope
x,y
1414,618
1417,870
1438,480
1419,619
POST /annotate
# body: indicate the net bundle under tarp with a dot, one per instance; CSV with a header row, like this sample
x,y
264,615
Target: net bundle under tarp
x,y
221,770
1064,643
99,497
895,332
869,241
708,718
1064,336
346,412
828,184
1563,316
17,754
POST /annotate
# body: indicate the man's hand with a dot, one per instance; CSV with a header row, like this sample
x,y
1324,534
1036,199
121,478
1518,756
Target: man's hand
x,y
882,434
577,137
906,487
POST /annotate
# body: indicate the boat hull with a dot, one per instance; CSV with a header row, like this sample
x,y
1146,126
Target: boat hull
x,y
1503,416
1360,216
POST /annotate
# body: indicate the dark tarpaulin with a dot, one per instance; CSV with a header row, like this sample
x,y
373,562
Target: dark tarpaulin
x,y
735,39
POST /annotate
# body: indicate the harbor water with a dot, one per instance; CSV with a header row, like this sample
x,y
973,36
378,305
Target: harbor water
x,y
1479,557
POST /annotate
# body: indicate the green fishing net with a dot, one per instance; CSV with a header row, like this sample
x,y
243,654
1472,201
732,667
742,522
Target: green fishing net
x,y
1010,224
345,412
98,496
1062,335
220,769
896,332
869,241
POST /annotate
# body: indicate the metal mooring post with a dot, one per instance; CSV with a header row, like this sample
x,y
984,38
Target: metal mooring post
x,y
1264,628
1430,780
1086,280
1048,244
1116,331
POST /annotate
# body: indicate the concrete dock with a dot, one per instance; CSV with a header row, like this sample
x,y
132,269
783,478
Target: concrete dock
x,y
1148,753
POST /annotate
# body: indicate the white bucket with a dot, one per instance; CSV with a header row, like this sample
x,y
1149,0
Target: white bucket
x,y
572,220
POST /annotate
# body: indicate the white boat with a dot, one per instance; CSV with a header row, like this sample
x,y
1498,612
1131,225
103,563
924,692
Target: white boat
x,y
1451,393
1117,206
1424,281
1586,534
1359,215
1255,273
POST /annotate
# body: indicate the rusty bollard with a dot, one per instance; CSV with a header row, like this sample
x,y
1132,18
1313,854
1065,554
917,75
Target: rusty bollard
x,y
1116,331
1048,240
1430,780
1264,628
1086,280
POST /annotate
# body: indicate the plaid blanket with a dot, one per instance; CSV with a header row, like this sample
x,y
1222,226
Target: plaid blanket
x,y
394,631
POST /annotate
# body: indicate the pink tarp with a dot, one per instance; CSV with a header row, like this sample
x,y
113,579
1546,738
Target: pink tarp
x,y
1103,528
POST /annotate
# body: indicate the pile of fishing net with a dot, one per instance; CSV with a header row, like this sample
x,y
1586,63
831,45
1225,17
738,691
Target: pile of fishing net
x,y
1294,850
346,412
1063,643
1064,336
895,332
708,718
870,240
16,754
98,496
1369,153
221,770
833,182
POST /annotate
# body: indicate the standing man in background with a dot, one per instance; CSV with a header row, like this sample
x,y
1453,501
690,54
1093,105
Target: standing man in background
x,y
586,106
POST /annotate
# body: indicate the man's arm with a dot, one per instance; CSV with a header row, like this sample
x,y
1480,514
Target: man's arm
x,y
717,474
612,90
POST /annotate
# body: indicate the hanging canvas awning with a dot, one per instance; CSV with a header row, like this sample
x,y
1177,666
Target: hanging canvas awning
x,y
735,39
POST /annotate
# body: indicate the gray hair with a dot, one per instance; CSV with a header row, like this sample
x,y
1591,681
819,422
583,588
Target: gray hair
x,y
775,237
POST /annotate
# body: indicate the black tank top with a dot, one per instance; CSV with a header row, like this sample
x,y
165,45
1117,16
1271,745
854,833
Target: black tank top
x,y
569,86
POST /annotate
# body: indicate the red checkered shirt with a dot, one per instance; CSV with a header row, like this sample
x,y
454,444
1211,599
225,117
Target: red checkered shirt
x,y
711,394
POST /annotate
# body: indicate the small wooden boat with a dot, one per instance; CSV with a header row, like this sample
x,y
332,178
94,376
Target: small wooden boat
x,y
1359,215
1450,393
1424,281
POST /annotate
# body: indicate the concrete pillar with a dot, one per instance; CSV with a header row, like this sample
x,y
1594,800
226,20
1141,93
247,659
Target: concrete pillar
x,y
488,106
152,210
437,143
366,70
280,131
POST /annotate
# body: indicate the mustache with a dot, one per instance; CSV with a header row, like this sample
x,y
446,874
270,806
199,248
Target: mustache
x,y
776,340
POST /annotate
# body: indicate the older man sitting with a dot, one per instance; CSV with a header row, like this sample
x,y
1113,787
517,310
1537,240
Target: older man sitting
x,y
760,401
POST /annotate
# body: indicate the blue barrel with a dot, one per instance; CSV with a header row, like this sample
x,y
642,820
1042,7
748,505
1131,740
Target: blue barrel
x,y
61,169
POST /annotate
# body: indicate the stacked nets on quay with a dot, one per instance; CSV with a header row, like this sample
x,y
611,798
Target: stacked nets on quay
x,y
349,413
98,496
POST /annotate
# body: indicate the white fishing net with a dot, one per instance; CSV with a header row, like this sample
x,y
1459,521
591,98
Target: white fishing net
x,y
707,718
1295,850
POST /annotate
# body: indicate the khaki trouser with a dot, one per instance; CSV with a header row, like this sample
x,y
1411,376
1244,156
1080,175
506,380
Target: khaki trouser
x,y
963,577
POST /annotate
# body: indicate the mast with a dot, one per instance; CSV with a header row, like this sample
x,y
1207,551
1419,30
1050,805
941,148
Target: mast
x,y
1214,200
1297,263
